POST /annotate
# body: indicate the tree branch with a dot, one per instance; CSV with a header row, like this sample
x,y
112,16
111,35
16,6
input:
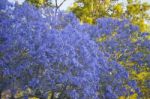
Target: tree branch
x,y
56,4
61,4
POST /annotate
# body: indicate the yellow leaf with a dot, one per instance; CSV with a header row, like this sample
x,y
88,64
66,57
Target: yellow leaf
x,y
101,39
134,96
143,75
89,20
122,97
19,94
33,98
130,63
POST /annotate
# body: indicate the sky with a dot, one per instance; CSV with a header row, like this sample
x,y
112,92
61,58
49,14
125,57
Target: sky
x,y
66,4
70,2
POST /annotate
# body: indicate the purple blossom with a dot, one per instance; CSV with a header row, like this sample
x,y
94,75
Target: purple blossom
x,y
57,55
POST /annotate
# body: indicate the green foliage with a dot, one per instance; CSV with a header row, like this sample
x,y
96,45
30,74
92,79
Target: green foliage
x,y
137,12
89,10
38,3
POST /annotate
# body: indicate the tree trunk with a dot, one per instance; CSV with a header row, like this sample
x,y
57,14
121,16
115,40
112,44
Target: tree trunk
x,y
12,96
0,94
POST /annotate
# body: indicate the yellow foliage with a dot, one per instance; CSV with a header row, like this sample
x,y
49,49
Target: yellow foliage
x,y
89,20
19,94
145,6
129,1
122,97
143,75
134,96
121,63
118,8
74,5
37,3
148,37
130,63
141,23
134,37
107,2
133,9
133,72
134,40
41,1
33,98
101,39
143,26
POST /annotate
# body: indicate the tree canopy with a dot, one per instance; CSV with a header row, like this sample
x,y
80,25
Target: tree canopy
x,y
134,10
44,52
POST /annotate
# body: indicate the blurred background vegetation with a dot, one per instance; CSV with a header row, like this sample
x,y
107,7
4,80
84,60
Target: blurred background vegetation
x,y
134,10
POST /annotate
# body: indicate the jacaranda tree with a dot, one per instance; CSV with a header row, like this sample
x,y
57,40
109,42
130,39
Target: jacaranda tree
x,y
47,51
123,42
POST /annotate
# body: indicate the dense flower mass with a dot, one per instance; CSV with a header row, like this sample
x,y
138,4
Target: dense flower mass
x,y
47,51
123,42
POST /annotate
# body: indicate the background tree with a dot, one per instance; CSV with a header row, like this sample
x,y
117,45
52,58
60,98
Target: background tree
x,y
90,10
137,12
38,3
50,3
134,10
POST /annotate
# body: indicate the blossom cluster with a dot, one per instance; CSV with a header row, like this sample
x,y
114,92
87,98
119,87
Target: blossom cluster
x,y
47,51
123,42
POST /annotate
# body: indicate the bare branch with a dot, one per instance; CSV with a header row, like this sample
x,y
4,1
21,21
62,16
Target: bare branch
x,y
56,4
61,4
